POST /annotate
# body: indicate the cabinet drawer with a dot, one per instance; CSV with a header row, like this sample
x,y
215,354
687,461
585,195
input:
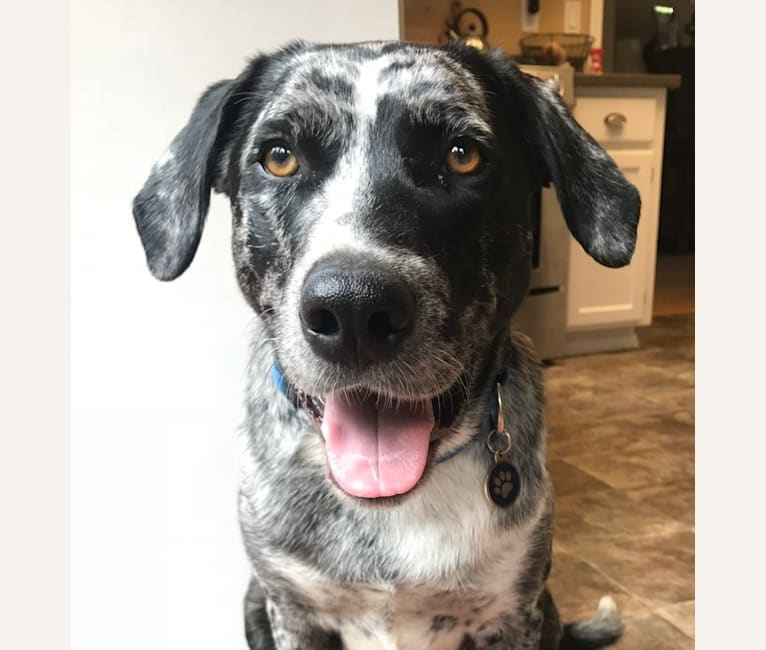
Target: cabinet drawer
x,y
617,119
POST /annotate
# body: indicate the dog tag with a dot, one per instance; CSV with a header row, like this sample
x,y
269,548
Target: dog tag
x,y
503,483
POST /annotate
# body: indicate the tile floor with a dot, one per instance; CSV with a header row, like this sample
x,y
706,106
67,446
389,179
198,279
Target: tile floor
x,y
621,454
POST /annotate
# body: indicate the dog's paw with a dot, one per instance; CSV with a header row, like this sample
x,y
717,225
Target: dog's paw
x,y
503,484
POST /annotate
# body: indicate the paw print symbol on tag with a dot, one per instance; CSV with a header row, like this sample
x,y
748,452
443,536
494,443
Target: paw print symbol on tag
x,y
503,484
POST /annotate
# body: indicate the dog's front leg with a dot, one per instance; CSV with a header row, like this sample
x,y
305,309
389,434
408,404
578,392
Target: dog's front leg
x,y
278,624
257,624
292,628
550,630
541,626
536,628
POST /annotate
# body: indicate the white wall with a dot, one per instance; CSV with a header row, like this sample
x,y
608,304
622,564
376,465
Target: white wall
x,y
157,369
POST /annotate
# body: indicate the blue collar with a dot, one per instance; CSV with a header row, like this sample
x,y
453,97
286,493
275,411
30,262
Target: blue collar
x,y
279,380
287,390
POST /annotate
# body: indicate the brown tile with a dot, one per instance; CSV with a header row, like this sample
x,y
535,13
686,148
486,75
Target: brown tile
x,y
577,587
568,479
622,435
583,520
685,375
587,409
557,546
626,420
674,400
681,615
684,416
636,469
622,372
658,569
674,499
652,633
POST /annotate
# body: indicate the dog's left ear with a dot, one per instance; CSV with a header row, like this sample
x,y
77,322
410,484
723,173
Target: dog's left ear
x,y
600,206
171,207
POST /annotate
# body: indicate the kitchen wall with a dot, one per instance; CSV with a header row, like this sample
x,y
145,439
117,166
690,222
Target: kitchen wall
x,y
424,19
158,368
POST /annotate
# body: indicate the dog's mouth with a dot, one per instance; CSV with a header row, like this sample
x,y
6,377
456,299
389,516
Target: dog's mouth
x,y
378,447
374,449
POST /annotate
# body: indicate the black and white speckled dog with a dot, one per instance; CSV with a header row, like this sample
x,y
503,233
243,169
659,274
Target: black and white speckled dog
x,y
380,195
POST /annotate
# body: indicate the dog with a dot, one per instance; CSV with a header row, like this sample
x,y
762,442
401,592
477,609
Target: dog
x,y
394,491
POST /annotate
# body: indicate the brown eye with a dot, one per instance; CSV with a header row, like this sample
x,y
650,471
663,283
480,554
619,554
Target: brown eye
x,y
463,158
280,161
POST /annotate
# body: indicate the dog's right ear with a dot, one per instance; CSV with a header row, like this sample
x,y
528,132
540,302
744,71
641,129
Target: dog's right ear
x,y
171,207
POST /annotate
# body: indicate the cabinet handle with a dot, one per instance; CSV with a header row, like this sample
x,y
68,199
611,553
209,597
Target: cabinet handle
x,y
615,120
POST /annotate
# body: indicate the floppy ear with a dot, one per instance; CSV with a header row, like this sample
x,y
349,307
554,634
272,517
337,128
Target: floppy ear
x,y
600,206
171,207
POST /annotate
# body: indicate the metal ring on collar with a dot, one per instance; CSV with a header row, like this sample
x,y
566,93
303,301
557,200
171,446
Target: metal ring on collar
x,y
499,442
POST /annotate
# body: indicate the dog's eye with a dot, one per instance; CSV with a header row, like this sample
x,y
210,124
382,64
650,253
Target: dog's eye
x,y
463,158
280,161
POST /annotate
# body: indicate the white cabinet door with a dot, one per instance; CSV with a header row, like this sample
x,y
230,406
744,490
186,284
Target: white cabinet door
x,y
602,297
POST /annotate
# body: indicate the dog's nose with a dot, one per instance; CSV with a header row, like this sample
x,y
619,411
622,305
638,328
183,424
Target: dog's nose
x,y
355,313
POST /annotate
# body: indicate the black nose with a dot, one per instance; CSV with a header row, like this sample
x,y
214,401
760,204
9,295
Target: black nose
x,y
355,313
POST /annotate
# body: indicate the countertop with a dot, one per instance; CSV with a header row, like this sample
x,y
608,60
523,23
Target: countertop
x,y
628,80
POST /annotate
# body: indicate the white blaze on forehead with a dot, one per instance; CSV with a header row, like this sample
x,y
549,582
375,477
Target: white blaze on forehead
x,y
345,192
341,193
370,87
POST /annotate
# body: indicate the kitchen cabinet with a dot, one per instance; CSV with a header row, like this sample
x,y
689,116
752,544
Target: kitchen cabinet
x,y
600,296
604,306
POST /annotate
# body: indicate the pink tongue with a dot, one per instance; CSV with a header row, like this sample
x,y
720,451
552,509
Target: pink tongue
x,y
374,451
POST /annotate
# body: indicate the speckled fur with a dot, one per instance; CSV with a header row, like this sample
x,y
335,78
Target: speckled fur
x,y
439,568
376,570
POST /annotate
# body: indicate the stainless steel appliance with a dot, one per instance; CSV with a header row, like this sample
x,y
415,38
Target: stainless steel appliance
x,y
542,315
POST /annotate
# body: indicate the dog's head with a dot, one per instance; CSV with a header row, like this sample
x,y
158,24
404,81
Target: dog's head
x,y
381,201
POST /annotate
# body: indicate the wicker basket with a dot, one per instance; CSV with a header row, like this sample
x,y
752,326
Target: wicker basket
x,y
548,49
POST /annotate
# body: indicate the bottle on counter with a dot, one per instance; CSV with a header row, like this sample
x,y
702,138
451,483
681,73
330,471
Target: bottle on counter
x,y
596,55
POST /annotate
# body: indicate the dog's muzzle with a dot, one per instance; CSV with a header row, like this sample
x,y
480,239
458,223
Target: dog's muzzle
x,y
375,447
356,313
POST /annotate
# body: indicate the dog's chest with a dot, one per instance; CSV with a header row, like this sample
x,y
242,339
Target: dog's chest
x,y
423,618
436,615
415,619
459,573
